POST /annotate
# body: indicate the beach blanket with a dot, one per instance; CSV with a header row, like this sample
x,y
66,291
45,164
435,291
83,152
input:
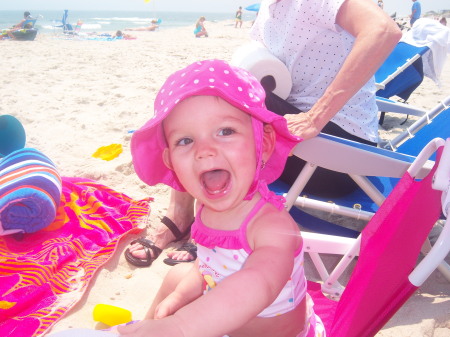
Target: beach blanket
x,y
45,274
30,191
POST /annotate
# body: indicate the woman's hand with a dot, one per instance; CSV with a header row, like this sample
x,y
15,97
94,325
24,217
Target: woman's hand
x,y
301,125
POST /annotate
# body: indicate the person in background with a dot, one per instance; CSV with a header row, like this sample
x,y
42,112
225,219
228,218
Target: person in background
x,y
380,4
212,136
443,21
332,69
200,29
121,35
238,18
416,11
9,32
26,16
153,25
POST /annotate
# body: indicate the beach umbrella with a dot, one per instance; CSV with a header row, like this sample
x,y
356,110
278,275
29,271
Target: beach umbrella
x,y
253,8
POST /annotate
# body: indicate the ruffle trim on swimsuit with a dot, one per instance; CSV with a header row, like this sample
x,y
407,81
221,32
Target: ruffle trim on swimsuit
x,y
234,239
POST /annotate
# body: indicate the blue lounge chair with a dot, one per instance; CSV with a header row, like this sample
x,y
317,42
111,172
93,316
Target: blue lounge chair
x,y
400,74
375,170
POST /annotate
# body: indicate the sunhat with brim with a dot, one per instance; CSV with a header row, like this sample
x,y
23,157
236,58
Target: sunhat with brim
x,y
12,135
210,78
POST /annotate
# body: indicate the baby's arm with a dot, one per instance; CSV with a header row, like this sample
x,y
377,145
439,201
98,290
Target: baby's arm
x,y
274,237
189,288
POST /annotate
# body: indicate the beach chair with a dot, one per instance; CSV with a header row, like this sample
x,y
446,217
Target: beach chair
x,y
375,171
385,274
421,52
63,23
400,74
76,30
29,24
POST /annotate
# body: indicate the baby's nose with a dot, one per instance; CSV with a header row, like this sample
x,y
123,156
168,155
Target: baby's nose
x,y
205,150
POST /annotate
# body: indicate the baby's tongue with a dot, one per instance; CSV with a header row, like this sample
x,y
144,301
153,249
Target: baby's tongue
x,y
215,181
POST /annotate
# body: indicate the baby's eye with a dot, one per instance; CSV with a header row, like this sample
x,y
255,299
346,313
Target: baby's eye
x,y
226,132
183,142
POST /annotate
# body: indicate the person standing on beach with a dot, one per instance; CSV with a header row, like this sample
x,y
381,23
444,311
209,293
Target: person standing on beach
x,y
380,4
238,18
416,10
332,68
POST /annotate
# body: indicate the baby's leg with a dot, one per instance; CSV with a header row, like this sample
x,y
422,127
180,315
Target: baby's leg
x,y
170,282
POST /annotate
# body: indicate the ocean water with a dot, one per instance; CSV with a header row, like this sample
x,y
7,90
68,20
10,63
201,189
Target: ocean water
x,y
110,21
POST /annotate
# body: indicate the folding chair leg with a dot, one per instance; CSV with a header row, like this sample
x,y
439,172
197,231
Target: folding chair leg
x,y
443,267
369,188
299,184
381,120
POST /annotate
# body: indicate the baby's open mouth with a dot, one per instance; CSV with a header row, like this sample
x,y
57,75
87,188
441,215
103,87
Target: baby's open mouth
x,y
215,181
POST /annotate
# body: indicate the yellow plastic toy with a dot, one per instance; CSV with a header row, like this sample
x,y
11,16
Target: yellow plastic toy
x,y
108,152
111,315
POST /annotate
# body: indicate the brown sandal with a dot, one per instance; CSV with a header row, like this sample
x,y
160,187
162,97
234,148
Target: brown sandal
x,y
150,245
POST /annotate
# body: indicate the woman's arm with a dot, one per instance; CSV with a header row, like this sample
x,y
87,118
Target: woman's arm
x,y
376,35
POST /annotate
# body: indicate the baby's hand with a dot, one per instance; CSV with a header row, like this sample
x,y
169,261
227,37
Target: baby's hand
x,y
167,327
168,306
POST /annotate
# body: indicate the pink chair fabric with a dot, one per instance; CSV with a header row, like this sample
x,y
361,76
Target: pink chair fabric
x,y
390,246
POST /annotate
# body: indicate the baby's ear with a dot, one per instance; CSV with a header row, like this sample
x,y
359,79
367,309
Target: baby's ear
x,y
269,139
166,159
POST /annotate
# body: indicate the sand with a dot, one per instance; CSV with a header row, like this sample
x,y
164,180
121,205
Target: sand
x,y
74,96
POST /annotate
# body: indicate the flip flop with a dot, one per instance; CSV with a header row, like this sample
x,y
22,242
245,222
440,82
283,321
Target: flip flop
x,y
147,244
150,245
187,247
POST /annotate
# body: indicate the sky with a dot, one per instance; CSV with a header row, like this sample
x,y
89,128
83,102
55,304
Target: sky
x,y
401,7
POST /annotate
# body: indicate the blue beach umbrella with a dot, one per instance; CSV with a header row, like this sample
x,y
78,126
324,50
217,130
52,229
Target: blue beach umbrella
x,y
253,8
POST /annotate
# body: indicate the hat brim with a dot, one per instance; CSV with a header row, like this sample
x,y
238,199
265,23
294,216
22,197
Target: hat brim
x,y
148,144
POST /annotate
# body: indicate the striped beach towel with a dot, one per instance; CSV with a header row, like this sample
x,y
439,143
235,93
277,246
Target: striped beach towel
x,y
46,273
30,191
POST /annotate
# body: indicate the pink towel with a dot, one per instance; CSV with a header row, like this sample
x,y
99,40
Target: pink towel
x,y
45,274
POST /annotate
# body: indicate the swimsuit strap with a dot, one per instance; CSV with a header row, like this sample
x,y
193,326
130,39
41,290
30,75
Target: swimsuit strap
x,y
267,196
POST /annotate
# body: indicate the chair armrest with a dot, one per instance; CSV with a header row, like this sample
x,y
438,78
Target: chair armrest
x,y
327,244
387,105
351,157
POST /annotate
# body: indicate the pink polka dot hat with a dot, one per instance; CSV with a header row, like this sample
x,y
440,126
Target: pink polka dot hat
x,y
210,78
